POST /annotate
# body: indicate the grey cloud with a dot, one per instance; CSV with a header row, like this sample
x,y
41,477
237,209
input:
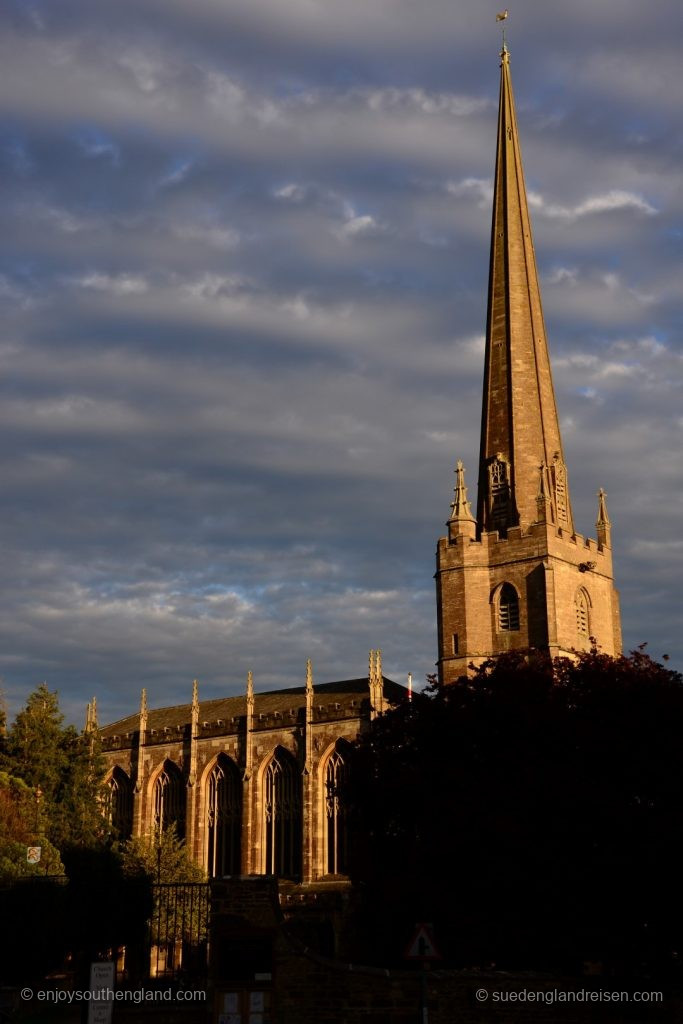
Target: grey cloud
x,y
244,295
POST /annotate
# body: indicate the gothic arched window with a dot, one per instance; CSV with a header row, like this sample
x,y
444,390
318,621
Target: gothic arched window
x,y
582,616
224,819
282,816
560,480
118,804
336,810
508,608
499,492
169,800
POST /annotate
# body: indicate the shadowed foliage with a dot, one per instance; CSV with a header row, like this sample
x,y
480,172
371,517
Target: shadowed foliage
x,y
533,813
62,772
51,923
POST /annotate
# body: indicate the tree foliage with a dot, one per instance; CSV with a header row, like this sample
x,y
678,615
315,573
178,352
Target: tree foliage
x,y
162,856
34,746
50,796
22,825
533,812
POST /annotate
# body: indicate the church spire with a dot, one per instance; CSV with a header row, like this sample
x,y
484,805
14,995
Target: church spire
x,y
519,577
520,430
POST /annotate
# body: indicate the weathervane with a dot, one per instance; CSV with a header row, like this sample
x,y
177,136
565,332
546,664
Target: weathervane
x,y
502,16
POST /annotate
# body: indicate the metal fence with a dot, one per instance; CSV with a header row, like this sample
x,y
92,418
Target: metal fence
x,y
178,932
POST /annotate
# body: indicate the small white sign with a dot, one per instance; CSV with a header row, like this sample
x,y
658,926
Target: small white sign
x,y
102,980
102,975
33,854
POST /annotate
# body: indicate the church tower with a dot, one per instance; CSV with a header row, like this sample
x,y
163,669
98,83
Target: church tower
x,y
517,575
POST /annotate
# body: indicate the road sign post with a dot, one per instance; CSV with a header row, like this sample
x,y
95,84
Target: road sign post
x,y
422,947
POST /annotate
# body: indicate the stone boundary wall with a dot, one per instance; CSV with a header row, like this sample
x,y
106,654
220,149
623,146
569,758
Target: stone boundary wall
x,y
308,988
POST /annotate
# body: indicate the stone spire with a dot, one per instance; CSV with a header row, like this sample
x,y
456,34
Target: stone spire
x,y
308,767
520,429
461,520
137,767
194,733
91,724
603,525
249,727
513,580
143,715
376,683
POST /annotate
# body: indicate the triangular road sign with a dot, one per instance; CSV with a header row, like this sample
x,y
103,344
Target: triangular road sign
x,y
422,945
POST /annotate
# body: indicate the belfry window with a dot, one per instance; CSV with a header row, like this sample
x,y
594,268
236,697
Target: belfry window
x,y
224,819
499,492
582,619
118,804
169,800
336,810
560,481
282,811
508,608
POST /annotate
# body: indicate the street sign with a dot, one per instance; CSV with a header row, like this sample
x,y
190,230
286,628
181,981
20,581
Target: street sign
x,y
422,946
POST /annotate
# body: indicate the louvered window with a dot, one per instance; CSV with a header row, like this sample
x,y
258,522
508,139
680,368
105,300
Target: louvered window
x,y
582,624
508,608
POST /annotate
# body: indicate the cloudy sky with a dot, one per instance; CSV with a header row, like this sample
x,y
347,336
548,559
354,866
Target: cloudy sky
x,y
243,277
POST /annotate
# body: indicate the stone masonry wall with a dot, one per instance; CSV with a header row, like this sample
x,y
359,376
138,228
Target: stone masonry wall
x,y
306,988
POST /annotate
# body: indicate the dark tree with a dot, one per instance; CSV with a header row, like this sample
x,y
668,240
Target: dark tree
x,y
77,818
162,856
22,826
98,907
50,796
33,749
62,767
533,813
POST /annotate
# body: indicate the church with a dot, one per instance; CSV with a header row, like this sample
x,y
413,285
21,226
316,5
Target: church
x,y
255,783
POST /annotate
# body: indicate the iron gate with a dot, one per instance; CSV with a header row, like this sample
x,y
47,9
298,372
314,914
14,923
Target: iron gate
x,y
178,932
